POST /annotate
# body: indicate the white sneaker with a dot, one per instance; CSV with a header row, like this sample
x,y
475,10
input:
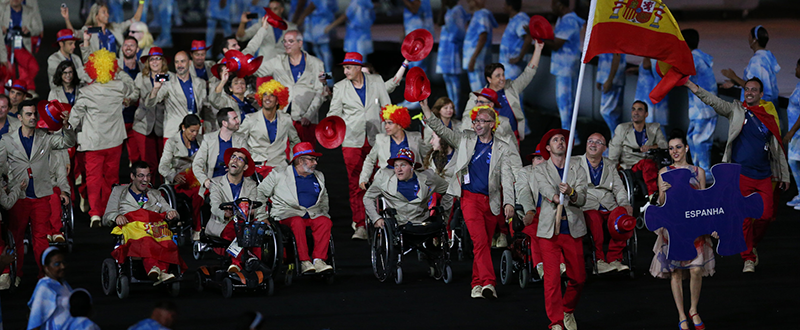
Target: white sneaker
x,y
234,269
17,281
307,267
361,233
604,267
163,277
154,273
85,205
794,202
95,222
5,281
569,321
502,241
58,238
563,268
195,235
477,291
619,266
749,266
321,266
540,270
556,327
489,292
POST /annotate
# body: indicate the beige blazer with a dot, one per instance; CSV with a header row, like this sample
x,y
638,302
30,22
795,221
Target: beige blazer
x,y
221,193
97,115
118,31
31,19
281,187
548,179
56,58
362,119
13,123
254,128
146,119
59,159
58,94
172,95
501,176
175,158
427,132
121,202
268,46
610,193
414,211
225,100
14,160
506,134
513,89
527,189
206,157
735,113
305,95
381,152
8,199
207,65
620,150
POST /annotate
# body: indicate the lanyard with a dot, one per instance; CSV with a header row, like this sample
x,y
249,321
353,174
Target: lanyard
x,y
478,156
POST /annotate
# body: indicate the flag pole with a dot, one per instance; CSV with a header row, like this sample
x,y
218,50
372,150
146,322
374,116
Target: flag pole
x,y
587,35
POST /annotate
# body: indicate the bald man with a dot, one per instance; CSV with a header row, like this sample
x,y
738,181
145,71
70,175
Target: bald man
x,y
183,94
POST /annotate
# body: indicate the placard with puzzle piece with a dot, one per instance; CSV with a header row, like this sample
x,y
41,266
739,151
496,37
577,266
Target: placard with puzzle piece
x,y
688,213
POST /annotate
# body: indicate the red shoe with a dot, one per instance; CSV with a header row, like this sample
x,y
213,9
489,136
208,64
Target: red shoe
x,y
700,326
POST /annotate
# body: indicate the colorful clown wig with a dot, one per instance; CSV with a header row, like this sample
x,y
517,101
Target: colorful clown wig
x,y
397,114
474,114
273,87
102,66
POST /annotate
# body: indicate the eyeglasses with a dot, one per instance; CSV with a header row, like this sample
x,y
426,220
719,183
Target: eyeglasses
x,y
597,142
482,121
234,157
142,176
311,159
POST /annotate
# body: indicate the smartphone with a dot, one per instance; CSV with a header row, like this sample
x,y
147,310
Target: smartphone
x,y
252,15
94,30
328,75
162,77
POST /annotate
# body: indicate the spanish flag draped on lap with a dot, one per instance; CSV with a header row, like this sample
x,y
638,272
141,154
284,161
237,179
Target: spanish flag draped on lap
x,y
147,235
644,28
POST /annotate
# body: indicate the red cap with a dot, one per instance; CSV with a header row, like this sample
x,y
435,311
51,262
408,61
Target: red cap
x,y
418,87
251,166
489,94
154,51
330,132
50,114
546,140
20,86
417,45
199,45
621,228
65,34
275,20
352,58
540,28
303,148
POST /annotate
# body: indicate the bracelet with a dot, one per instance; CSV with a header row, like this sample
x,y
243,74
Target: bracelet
x,y
405,65
571,193
141,2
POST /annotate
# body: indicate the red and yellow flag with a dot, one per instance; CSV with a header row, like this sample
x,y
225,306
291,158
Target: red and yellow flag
x,y
644,28
146,235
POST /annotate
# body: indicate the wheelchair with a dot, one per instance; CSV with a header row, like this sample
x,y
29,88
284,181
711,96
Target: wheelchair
x,y
118,278
629,253
257,274
12,267
181,204
517,257
460,242
67,227
393,241
291,259
636,187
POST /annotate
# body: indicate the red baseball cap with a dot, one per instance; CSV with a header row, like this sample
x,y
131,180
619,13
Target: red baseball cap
x,y
417,45
404,154
65,34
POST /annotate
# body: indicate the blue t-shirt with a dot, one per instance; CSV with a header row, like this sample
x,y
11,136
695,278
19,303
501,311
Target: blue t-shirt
x,y
479,168
308,190
297,70
188,91
641,137
107,41
750,148
244,107
148,324
141,199
505,109
27,142
394,147
219,169
4,130
564,223
201,73
236,189
409,188
16,17
272,128
362,92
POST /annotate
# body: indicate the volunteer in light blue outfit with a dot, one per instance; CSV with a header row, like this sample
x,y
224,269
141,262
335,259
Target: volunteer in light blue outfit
x,y
451,40
165,8
257,8
358,38
217,15
648,79
516,40
791,140
418,14
702,117
317,15
116,13
478,44
611,87
565,58
49,304
762,65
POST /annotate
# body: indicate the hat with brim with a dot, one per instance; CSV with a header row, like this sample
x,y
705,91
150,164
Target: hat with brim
x,y
199,45
154,51
540,28
251,166
418,87
489,94
304,149
65,35
404,154
20,86
250,65
417,45
538,152
621,228
353,58
50,114
330,132
542,147
275,20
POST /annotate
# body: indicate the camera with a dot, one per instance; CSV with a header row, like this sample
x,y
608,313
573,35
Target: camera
x,y
328,75
252,15
162,77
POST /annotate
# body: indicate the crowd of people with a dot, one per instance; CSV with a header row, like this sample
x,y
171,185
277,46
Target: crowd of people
x,y
245,125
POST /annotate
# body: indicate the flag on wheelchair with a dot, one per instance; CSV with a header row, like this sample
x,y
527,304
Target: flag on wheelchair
x,y
147,235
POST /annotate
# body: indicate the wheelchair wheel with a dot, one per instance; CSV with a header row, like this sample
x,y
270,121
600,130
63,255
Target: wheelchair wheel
x,y
123,286
332,256
68,225
108,275
506,267
197,250
272,249
524,277
447,275
12,267
270,287
198,282
174,289
168,192
227,288
398,276
382,253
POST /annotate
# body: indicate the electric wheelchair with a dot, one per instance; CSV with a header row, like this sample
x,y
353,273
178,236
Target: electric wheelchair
x,y
517,257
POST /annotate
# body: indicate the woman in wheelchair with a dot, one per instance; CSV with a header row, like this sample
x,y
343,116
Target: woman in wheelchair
x,y
176,167
300,200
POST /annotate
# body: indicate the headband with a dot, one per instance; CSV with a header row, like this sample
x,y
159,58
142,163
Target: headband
x,y
256,321
755,32
46,252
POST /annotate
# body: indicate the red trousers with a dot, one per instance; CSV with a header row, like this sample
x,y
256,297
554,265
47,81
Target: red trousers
x,y
55,211
102,171
148,148
79,169
481,223
596,220
149,263
353,161
649,174
531,230
320,229
36,212
552,250
306,133
197,204
754,229
25,65
134,153
229,234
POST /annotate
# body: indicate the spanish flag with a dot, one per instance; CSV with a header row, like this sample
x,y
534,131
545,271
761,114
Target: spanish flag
x,y
146,235
644,28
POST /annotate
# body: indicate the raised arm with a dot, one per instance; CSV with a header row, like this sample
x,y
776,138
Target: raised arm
x,y
722,107
525,78
392,84
338,21
435,124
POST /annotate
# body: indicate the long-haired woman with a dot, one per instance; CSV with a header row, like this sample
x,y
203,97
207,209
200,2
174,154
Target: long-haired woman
x,y
176,166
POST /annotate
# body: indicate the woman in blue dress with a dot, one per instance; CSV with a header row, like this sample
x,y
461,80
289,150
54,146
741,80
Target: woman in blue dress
x,y
451,40
49,304
360,16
